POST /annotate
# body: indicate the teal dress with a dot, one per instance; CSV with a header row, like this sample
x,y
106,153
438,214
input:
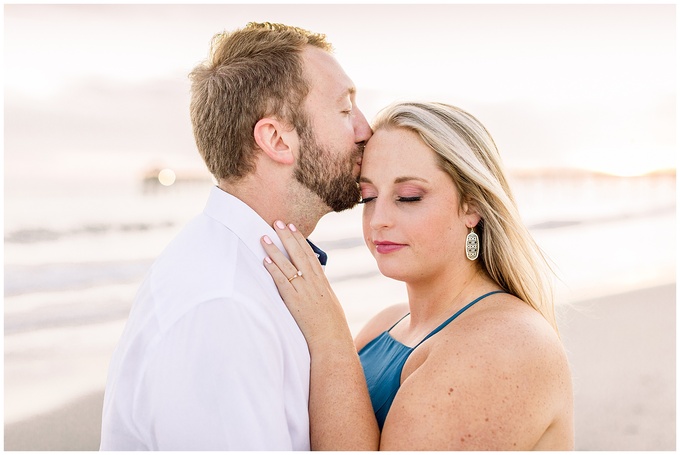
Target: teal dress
x,y
383,360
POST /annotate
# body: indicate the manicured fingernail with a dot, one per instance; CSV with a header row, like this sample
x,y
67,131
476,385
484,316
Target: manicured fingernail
x,y
268,260
279,224
292,228
267,240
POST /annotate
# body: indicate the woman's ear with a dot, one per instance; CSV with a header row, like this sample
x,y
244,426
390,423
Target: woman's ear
x,y
276,140
471,214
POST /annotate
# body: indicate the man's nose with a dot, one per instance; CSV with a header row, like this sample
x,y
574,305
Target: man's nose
x,y
362,130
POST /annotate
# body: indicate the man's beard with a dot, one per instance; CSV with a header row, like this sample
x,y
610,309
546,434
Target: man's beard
x,y
332,181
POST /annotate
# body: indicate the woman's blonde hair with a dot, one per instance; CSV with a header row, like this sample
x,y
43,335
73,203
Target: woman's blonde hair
x,y
469,155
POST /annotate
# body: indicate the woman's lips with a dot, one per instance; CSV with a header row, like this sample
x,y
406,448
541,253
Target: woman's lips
x,y
388,247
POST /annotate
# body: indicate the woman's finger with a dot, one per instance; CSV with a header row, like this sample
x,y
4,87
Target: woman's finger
x,y
298,249
278,260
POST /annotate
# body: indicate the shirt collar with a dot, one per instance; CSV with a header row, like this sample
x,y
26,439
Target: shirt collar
x,y
321,254
248,226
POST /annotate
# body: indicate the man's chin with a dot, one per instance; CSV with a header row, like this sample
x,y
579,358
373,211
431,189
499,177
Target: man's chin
x,y
343,197
346,205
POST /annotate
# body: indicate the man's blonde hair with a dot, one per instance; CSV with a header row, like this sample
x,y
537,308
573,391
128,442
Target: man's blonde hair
x,y
251,73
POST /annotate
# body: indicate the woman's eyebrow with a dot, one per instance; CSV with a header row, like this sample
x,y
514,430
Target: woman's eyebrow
x,y
397,180
409,178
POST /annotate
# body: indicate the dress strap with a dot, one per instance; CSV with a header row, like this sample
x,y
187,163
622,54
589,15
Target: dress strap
x,y
458,313
400,319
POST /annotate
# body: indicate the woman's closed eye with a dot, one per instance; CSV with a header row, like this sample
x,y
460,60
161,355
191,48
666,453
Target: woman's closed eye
x,y
366,200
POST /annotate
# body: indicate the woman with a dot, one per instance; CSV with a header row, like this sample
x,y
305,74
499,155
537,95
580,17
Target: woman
x,y
474,360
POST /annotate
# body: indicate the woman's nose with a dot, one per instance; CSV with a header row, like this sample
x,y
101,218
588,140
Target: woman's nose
x,y
379,216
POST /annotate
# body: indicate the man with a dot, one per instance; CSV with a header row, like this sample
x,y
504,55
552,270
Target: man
x,y
210,358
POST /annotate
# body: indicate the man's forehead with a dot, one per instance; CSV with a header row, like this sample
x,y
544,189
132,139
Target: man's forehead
x,y
322,68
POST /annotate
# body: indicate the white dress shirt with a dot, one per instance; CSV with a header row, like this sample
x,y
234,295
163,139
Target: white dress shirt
x,y
210,358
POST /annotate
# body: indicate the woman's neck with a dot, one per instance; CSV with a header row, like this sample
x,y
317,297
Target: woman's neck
x,y
434,300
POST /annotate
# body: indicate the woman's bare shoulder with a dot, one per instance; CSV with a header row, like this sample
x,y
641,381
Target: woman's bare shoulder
x,y
498,378
509,330
379,323
511,324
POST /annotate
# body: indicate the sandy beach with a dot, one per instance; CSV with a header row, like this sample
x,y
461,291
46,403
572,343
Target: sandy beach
x,y
622,350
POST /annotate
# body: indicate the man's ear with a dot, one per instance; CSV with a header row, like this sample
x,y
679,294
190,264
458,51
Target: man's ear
x,y
276,139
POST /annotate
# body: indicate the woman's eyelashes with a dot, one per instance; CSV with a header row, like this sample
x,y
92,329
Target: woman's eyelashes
x,y
409,198
366,200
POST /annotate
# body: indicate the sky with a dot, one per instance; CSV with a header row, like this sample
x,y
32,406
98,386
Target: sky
x,y
104,87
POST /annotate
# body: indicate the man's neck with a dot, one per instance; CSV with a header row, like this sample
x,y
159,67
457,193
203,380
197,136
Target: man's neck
x,y
277,202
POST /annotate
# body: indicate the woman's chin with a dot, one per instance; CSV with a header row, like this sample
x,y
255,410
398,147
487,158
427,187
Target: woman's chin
x,y
392,271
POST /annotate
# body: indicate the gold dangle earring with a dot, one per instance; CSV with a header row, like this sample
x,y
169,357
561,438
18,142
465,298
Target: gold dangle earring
x,y
472,245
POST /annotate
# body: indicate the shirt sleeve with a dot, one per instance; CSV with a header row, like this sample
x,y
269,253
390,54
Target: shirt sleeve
x,y
214,382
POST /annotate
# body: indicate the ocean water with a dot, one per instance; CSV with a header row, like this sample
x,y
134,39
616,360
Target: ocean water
x,y
601,233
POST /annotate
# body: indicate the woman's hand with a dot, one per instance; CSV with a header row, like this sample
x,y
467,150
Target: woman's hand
x,y
304,288
341,415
